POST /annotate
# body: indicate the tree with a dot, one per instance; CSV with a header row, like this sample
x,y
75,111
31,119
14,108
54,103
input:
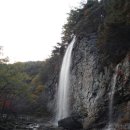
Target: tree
x,y
68,29
3,59
12,83
117,12
90,3
59,49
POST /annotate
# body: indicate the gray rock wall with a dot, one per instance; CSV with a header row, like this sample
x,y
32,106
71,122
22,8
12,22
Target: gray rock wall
x,y
91,83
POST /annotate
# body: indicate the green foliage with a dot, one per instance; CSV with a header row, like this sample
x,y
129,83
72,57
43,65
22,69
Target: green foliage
x,y
3,59
21,85
11,80
73,18
117,12
91,3
50,68
82,20
114,33
58,50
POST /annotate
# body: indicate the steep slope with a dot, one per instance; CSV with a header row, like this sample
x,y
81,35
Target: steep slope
x,y
100,69
91,85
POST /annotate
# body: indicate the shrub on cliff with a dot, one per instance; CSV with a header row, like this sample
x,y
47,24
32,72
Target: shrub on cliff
x,y
82,20
115,31
118,12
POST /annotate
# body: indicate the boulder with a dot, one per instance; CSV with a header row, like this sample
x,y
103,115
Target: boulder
x,y
70,123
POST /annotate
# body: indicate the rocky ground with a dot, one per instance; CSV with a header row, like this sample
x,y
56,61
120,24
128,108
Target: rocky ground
x,y
26,123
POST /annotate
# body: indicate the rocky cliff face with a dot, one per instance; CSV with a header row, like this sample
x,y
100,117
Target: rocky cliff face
x,y
91,84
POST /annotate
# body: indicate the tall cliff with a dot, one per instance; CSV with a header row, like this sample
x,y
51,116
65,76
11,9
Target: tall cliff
x,y
100,68
91,84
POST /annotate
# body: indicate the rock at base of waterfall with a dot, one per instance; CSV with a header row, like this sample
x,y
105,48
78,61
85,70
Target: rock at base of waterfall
x,y
71,123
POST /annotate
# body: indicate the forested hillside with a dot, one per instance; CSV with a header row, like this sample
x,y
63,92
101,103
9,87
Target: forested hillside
x,y
24,85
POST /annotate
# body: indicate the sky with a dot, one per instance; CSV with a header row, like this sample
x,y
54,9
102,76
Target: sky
x,y
30,28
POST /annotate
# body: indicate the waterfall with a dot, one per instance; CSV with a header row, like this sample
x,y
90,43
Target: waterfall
x,y
112,93
63,88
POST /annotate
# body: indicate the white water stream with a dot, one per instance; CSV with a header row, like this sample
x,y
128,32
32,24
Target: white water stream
x,y
112,93
64,82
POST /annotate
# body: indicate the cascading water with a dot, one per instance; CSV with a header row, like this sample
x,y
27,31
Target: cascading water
x,y
113,85
63,89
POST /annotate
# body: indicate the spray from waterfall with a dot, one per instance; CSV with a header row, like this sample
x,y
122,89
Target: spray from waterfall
x,y
64,82
112,93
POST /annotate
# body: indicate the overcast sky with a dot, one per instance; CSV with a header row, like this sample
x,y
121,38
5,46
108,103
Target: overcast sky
x,y
30,28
